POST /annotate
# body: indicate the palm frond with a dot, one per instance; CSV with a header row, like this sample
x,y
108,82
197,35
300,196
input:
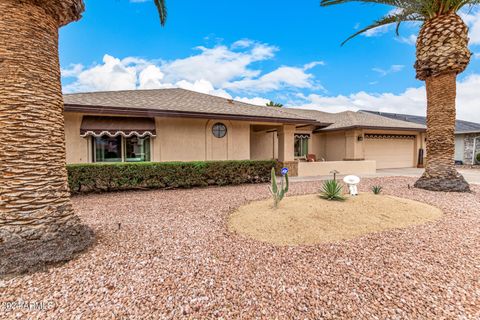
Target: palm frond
x,y
408,10
394,3
162,10
389,19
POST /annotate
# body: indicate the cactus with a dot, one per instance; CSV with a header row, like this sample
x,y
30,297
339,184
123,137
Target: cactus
x,y
279,192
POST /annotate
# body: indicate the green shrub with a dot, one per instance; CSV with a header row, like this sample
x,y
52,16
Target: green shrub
x,y
478,157
377,189
332,190
96,177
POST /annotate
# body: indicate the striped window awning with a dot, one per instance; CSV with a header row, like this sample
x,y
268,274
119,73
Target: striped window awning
x,y
98,126
302,136
389,136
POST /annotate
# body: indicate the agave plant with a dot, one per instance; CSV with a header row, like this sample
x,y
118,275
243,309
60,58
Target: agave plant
x,y
332,190
442,53
377,189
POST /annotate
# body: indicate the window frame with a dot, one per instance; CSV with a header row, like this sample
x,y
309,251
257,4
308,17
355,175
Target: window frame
x,y
123,149
304,142
219,124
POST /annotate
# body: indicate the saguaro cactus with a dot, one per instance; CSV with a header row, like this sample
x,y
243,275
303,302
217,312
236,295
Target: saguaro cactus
x,y
279,192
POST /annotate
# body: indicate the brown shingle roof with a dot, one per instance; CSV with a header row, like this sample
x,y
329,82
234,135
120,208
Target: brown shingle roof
x,y
175,102
351,119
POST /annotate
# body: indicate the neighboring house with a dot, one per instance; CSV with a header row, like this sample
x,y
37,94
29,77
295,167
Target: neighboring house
x,y
180,125
467,135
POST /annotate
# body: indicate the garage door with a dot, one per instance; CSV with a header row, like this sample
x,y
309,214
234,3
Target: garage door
x,y
390,151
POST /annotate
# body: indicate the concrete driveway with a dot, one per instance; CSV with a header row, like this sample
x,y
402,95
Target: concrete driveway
x,y
471,175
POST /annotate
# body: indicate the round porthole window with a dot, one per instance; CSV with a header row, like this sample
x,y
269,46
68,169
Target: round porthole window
x,y
219,130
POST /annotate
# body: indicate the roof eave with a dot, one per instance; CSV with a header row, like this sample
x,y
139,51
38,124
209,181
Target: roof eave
x,y
467,132
180,114
372,128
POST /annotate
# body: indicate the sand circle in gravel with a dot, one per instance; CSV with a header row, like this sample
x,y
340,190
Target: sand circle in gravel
x,y
310,219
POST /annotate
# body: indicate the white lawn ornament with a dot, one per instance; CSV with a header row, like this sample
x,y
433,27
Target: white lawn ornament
x,y
352,182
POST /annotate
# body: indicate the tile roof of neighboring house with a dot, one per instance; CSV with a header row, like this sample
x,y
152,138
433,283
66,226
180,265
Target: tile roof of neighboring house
x,y
351,119
460,127
176,103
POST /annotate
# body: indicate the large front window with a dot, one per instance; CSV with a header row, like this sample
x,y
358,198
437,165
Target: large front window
x,y
137,149
301,145
121,149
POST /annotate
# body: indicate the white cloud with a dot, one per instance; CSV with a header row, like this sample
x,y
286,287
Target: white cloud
x,y
113,74
243,43
203,86
213,70
257,100
378,31
283,77
313,64
73,70
410,40
472,19
151,78
394,68
375,32
411,101
219,64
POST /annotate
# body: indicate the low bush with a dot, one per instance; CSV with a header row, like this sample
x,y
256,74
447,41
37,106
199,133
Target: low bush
x,y
84,178
478,157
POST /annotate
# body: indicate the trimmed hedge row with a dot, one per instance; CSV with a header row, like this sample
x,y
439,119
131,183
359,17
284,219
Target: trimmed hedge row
x,y
85,178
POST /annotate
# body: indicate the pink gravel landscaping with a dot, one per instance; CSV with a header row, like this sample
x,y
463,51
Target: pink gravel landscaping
x,y
169,255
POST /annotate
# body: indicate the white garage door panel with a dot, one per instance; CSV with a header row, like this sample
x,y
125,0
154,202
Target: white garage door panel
x,y
390,153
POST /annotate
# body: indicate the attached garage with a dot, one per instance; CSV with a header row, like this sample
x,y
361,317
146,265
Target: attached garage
x,y
390,151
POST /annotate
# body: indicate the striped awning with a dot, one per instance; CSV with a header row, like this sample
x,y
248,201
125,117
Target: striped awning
x,y
98,126
302,136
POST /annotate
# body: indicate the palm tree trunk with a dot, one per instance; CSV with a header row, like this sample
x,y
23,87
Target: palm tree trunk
x,y
37,221
440,173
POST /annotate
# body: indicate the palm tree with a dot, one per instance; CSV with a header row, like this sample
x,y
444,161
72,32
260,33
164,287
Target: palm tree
x,y
37,222
442,53
274,104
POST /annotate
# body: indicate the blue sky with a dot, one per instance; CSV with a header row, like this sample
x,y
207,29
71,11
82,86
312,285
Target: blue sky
x,y
255,51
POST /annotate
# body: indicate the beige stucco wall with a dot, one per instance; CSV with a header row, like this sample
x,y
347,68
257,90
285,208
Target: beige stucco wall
x,y
334,148
181,139
337,146
263,145
78,148
178,139
308,169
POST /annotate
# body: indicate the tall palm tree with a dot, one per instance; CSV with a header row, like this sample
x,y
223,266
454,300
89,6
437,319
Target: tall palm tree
x,y
37,222
442,53
274,104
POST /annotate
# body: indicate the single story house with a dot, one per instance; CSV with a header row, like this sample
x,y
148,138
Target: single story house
x,y
181,125
467,135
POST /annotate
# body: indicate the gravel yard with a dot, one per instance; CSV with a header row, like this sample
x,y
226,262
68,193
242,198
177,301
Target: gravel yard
x,y
309,219
168,254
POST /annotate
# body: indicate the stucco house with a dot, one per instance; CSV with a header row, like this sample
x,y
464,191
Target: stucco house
x,y
467,135
181,125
